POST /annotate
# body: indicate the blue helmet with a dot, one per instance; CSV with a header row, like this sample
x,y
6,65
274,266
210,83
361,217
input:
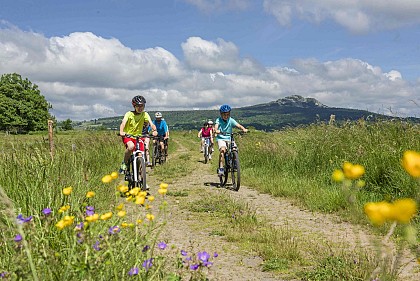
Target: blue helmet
x,y
225,108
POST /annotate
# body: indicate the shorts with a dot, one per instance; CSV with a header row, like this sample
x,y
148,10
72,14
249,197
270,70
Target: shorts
x,y
222,143
141,143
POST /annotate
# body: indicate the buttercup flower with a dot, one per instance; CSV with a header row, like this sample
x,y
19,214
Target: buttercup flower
x,y
150,217
106,216
120,207
67,190
411,163
162,191
404,210
90,194
63,209
107,179
140,200
163,185
121,213
338,176
92,218
114,175
122,188
151,198
353,172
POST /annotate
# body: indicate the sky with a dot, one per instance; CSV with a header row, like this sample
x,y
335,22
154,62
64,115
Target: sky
x,y
90,57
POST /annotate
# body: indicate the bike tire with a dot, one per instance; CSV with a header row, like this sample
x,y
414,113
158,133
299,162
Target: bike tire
x,y
155,152
206,153
235,171
162,156
223,178
141,176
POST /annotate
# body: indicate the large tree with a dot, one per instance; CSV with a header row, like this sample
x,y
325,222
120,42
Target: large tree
x,y
22,107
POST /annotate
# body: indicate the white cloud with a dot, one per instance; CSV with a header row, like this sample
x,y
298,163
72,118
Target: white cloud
x,y
357,16
219,5
85,76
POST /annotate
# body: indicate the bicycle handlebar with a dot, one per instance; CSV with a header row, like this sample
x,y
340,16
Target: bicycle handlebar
x,y
134,136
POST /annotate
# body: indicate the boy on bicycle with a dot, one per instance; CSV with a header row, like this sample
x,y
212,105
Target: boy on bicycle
x,y
162,132
224,124
132,124
206,132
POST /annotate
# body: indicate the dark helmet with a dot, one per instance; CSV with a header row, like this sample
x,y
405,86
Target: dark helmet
x,y
225,108
137,100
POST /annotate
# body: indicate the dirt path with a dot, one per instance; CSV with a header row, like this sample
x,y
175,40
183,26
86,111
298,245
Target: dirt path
x,y
232,262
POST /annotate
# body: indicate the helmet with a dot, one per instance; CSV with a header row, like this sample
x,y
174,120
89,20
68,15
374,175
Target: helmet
x,y
137,100
225,108
158,115
210,122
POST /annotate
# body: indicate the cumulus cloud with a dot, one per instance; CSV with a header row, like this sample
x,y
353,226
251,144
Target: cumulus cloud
x,y
358,16
85,76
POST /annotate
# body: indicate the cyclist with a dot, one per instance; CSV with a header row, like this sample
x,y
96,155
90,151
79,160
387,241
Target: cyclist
x,y
206,132
132,124
162,131
225,124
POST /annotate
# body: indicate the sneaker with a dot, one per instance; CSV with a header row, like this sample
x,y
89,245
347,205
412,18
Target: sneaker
x,y
212,149
210,157
148,164
123,168
221,171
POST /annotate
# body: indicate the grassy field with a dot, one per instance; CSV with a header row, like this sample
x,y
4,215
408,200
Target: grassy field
x,y
295,163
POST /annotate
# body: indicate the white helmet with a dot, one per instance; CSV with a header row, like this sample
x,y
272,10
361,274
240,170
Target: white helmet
x,y
158,115
210,122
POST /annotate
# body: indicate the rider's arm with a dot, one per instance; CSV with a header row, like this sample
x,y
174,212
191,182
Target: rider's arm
x,y
153,126
216,129
122,126
241,127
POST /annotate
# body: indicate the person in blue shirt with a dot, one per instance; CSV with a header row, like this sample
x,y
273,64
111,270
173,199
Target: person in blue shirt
x,y
162,131
225,124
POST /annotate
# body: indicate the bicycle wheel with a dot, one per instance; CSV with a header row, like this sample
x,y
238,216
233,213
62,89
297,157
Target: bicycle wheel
x,y
162,156
155,155
141,176
206,153
235,171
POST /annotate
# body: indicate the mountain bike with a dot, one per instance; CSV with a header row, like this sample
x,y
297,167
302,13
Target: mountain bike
x,y
207,149
159,155
135,174
232,165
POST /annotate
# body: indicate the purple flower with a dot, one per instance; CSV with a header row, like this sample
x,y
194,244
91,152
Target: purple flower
x,y
133,271
162,245
79,226
183,253
194,266
18,238
114,229
47,211
148,264
203,256
207,263
21,219
3,274
215,254
96,246
90,210
145,248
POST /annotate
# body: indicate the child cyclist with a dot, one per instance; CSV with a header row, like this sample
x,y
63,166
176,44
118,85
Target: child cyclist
x,y
132,124
206,132
225,124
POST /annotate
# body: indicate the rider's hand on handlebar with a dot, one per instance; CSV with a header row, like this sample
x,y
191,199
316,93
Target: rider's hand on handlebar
x,y
155,133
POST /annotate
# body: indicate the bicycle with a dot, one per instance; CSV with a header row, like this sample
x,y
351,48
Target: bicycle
x,y
232,164
135,174
159,156
207,149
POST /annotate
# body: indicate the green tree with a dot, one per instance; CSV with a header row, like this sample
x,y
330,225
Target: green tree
x,y
22,107
67,125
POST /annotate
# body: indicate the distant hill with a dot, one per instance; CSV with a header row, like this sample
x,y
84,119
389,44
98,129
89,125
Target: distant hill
x,y
290,111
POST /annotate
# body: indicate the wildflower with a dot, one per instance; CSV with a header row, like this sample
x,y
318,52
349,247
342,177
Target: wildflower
x,y
163,185
148,264
114,229
96,246
338,176
150,217
64,208
90,210
139,221
92,218
162,191
120,207
121,213
47,211
90,194
79,227
183,253
106,216
18,238
411,163
145,248
3,274
114,175
67,190
106,179
21,219
215,254
140,200
353,172
133,271
151,198
122,188
194,267
143,193
60,224
378,212
162,245
203,256
124,225
404,210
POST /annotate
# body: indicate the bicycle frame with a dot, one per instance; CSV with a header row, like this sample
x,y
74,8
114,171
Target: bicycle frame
x,y
137,156
232,165
206,149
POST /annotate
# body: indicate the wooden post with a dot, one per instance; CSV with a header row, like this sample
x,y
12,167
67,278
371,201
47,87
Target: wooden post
x,y
50,137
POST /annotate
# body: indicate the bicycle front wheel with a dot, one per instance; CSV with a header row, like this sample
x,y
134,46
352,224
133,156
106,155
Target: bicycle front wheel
x,y
235,171
155,155
206,153
223,178
141,176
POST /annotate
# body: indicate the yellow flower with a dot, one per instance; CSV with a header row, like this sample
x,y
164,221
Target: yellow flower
x,y
90,194
379,212
106,216
163,185
122,188
60,225
150,217
120,207
411,163
147,207
338,176
139,221
107,179
151,198
67,190
135,191
140,200
143,193
121,213
114,175
404,210
92,218
63,209
162,191
353,172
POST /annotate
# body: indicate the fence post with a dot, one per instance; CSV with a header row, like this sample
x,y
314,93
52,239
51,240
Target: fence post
x,y
50,137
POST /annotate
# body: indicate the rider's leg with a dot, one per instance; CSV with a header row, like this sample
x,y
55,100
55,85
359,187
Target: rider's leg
x,y
222,151
128,150
146,149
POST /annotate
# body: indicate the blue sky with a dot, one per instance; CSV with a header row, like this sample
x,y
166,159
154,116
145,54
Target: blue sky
x,y
89,58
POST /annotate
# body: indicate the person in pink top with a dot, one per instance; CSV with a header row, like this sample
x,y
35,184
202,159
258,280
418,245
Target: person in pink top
x,y
206,132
